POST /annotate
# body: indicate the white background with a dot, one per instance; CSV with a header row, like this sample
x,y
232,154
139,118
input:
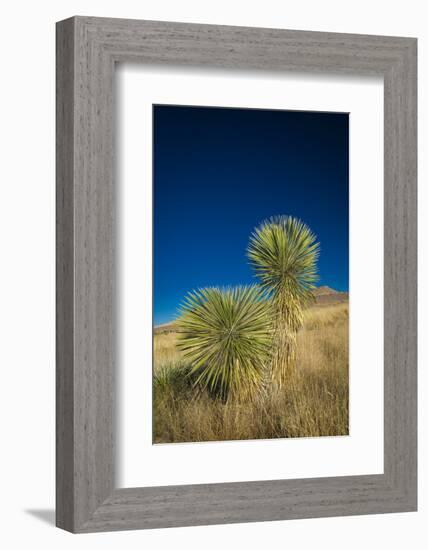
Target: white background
x,y
361,452
27,273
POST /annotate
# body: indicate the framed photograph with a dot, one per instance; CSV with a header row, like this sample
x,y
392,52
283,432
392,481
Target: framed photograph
x,y
236,274
255,335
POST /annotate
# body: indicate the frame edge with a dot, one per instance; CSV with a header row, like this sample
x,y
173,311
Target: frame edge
x,y
65,75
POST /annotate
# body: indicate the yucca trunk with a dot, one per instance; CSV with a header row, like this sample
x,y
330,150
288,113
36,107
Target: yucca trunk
x,y
288,321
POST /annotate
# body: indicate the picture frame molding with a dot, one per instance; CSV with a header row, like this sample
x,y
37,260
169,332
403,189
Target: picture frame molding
x,y
87,50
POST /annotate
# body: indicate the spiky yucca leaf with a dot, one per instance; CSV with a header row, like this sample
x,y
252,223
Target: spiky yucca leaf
x,y
284,252
226,335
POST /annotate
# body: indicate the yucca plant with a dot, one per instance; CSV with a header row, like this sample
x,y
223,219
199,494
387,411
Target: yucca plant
x,y
226,336
284,252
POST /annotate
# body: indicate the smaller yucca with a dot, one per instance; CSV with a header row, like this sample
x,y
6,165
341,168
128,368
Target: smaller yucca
x,y
226,336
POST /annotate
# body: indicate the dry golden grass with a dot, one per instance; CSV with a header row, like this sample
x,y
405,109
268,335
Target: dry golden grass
x,y
314,404
164,349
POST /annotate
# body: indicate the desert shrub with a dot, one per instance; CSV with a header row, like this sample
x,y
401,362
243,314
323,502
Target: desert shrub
x,y
174,381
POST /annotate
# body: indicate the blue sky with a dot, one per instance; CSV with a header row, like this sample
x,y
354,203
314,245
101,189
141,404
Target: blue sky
x,y
219,172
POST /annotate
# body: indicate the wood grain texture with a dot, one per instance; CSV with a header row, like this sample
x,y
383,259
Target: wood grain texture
x,y
87,50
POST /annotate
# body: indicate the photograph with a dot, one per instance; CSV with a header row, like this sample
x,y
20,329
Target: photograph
x,y
251,274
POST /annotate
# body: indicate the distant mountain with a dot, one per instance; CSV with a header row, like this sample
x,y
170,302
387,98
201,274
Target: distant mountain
x,y
326,295
322,290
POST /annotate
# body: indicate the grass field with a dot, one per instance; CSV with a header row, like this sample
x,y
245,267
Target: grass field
x,y
315,403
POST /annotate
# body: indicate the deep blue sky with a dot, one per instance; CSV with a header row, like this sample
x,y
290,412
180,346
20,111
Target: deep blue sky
x,y
219,172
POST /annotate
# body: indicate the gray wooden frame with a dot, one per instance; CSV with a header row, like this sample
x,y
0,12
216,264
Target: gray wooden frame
x,y
87,50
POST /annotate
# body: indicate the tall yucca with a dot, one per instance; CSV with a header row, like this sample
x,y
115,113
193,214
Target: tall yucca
x,y
226,335
284,252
